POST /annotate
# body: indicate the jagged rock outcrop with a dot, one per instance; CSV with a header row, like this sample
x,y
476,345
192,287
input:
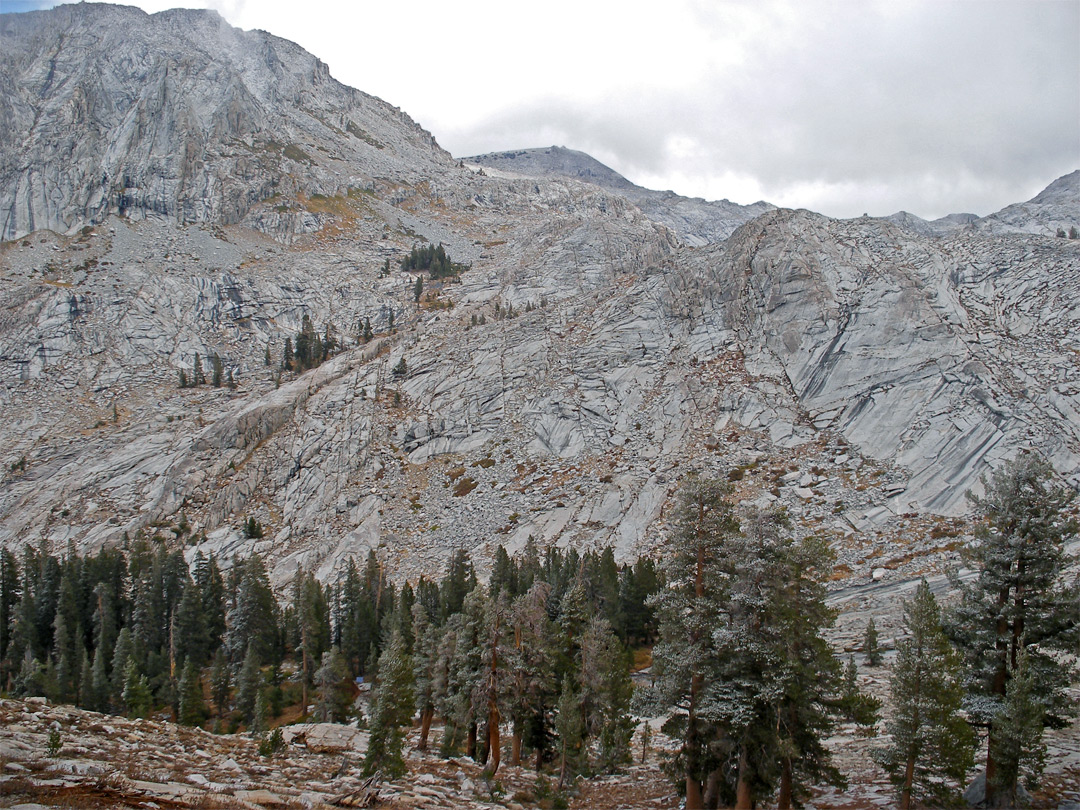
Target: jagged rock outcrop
x,y
862,373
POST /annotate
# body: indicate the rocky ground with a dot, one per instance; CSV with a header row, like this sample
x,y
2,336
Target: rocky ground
x,y
105,761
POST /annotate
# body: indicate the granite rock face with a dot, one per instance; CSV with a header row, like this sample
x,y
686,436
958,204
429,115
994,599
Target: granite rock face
x,y
108,110
862,373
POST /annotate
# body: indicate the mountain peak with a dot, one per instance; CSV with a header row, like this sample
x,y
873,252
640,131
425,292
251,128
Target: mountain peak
x,y
555,161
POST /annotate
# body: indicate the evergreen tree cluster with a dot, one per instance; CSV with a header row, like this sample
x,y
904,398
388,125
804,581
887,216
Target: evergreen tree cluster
x,y
541,650
309,349
752,689
138,631
434,261
219,374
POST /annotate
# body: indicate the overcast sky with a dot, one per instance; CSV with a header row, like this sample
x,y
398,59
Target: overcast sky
x,y
843,107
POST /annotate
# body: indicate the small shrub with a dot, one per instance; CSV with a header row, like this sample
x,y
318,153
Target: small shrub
x,y
55,743
464,487
271,743
294,152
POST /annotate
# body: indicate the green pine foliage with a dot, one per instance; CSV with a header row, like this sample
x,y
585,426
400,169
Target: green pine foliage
x,y
331,688
136,694
392,711
432,260
1018,615
870,645
309,349
932,747
752,687
192,709
1018,748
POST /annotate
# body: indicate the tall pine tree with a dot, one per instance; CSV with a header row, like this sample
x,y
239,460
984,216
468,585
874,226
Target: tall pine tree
x,y
1020,606
932,744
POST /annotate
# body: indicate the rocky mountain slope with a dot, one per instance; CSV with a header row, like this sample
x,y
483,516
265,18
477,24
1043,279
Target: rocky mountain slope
x,y
860,373
697,222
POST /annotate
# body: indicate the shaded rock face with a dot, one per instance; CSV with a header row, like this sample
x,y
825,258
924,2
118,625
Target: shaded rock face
x,y
178,115
860,373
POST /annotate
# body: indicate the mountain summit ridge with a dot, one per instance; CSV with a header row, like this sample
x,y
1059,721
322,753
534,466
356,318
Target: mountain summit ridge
x,y
696,221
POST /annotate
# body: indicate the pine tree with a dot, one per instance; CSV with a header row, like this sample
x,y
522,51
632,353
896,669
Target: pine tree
x,y
533,686
778,665
442,689
870,645
466,705
99,682
312,621
86,682
218,370
392,710
189,628
571,729
1019,749
67,632
425,648
122,654
211,589
490,689
685,655
260,716
288,358
932,744
606,689
253,619
192,705
1019,606
418,289
197,376
331,682
9,599
367,334
136,694
220,682
460,579
249,683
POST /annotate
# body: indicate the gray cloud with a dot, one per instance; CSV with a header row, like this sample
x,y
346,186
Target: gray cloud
x,y
930,107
